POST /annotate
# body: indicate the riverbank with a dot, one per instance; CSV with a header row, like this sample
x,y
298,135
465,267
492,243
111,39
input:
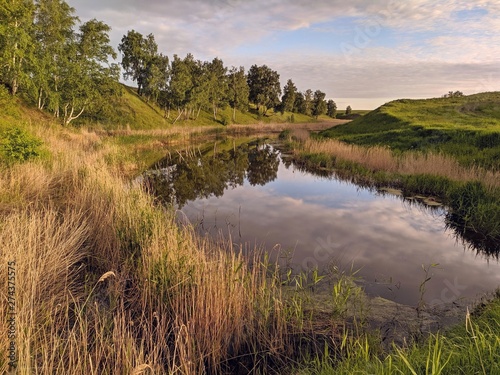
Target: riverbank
x,y
105,279
106,282
140,149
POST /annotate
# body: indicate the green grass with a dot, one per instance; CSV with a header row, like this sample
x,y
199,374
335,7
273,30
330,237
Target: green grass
x,y
127,111
466,127
471,348
130,111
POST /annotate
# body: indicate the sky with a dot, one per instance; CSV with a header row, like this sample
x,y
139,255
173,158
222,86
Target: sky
x,y
361,53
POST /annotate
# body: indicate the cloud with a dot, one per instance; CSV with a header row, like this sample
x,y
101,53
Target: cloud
x,y
226,22
387,77
374,49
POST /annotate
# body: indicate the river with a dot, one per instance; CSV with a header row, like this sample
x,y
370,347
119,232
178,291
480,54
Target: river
x,y
254,196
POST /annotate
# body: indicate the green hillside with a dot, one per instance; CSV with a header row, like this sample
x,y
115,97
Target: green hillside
x,y
466,127
133,112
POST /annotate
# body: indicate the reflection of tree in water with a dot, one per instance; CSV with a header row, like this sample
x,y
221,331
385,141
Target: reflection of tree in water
x,y
263,165
183,178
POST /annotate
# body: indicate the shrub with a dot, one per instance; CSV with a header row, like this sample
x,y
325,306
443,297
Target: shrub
x,y
18,146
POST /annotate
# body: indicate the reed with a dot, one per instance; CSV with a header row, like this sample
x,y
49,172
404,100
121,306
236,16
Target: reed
x,y
377,158
107,282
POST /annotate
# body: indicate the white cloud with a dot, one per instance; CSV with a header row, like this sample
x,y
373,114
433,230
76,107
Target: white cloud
x,y
432,45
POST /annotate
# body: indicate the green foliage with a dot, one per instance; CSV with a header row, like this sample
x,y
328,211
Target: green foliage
x,y
88,80
211,173
217,85
16,45
143,64
264,84
54,43
307,104
180,82
453,94
130,110
7,103
289,95
331,108
238,90
318,104
18,146
66,71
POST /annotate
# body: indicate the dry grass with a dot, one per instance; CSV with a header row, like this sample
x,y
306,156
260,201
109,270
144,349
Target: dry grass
x,y
381,158
184,132
107,283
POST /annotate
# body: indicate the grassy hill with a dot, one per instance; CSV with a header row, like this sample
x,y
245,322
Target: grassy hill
x,y
466,127
131,111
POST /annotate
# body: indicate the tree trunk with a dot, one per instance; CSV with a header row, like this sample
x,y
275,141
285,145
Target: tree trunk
x,y
180,113
14,86
40,98
234,114
69,117
14,83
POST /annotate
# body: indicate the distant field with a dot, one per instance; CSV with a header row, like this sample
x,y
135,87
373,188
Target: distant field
x,y
355,111
466,127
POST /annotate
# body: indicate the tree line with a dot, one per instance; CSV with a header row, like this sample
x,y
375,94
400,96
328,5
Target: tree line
x,y
187,85
66,68
62,69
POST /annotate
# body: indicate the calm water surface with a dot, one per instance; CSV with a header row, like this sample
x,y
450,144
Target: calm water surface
x,y
253,196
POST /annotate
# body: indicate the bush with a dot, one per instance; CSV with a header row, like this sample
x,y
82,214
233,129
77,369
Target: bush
x,y
18,146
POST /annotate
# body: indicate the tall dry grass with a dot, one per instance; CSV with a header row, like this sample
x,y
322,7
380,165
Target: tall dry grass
x,y
381,158
170,302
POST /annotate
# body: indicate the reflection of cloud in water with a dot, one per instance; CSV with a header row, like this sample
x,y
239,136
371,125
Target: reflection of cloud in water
x,y
387,239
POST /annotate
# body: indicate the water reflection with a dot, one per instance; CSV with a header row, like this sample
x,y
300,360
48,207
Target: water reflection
x,y
246,192
480,244
182,178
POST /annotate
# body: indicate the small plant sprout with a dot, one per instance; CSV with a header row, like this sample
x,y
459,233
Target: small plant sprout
x,y
422,287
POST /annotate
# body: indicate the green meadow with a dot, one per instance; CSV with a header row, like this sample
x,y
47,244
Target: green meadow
x,y
468,128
